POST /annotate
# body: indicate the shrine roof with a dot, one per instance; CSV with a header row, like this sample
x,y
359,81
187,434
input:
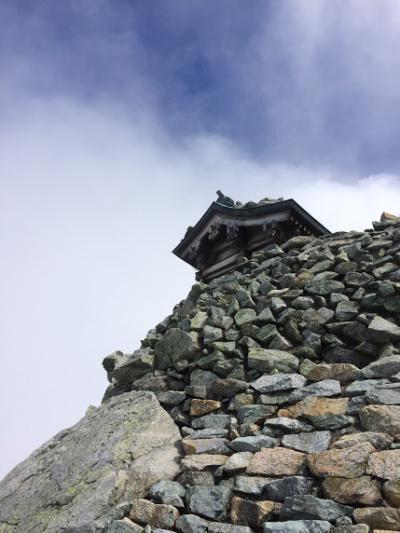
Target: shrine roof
x,y
225,209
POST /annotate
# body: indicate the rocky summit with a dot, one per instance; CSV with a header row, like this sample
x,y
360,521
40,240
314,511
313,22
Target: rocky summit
x,y
269,400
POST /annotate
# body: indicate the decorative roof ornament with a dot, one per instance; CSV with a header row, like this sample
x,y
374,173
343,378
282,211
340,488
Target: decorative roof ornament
x,y
229,232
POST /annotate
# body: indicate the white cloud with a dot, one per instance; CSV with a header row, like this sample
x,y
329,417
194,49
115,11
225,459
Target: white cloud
x,y
90,210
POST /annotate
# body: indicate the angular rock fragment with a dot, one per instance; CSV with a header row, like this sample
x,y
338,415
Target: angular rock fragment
x,y
361,490
153,514
348,462
272,360
315,441
312,507
203,461
297,526
290,486
253,443
210,446
250,513
385,464
276,462
278,382
209,502
381,418
378,517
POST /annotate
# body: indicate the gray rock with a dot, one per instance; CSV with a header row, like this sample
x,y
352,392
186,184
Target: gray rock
x,y
212,421
326,387
323,287
346,310
171,398
211,334
363,386
114,454
250,484
382,368
315,441
297,526
381,330
226,388
236,463
122,526
288,424
312,507
245,316
210,502
175,346
385,394
190,523
278,382
331,421
208,433
253,443
131,367
269,360
249,414
217,527
290,486
357,279
168,492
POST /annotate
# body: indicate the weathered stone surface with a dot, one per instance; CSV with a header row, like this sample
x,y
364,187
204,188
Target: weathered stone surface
x,y
378,440
348,463
385,465
316,406
250,513
115,453
326,388
382,368
381,330
237,463
338,371
256,413
226,388
362,490
315,441
203,461
289,486
212,421
209,502
297,526
154,514
312,507
276,462
168,492
253,443
323,287
123,526
203,407
251,484
245,316
288,424
385,394
391,490
378,517
190,523
210,446
175,346
217,527
278,382
381,418
269,360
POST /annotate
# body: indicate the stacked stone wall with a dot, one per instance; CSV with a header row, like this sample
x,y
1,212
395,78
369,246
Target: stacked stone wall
x,y
284,380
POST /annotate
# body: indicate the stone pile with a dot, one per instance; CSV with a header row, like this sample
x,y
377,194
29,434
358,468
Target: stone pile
x,y
284,380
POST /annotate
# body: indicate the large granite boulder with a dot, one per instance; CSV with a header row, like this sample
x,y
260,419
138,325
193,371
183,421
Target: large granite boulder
x,y
89,474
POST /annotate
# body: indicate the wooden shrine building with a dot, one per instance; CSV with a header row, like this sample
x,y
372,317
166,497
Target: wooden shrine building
x,y
229,231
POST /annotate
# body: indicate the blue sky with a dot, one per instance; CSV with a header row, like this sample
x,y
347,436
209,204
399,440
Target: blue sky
x,y
119,121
